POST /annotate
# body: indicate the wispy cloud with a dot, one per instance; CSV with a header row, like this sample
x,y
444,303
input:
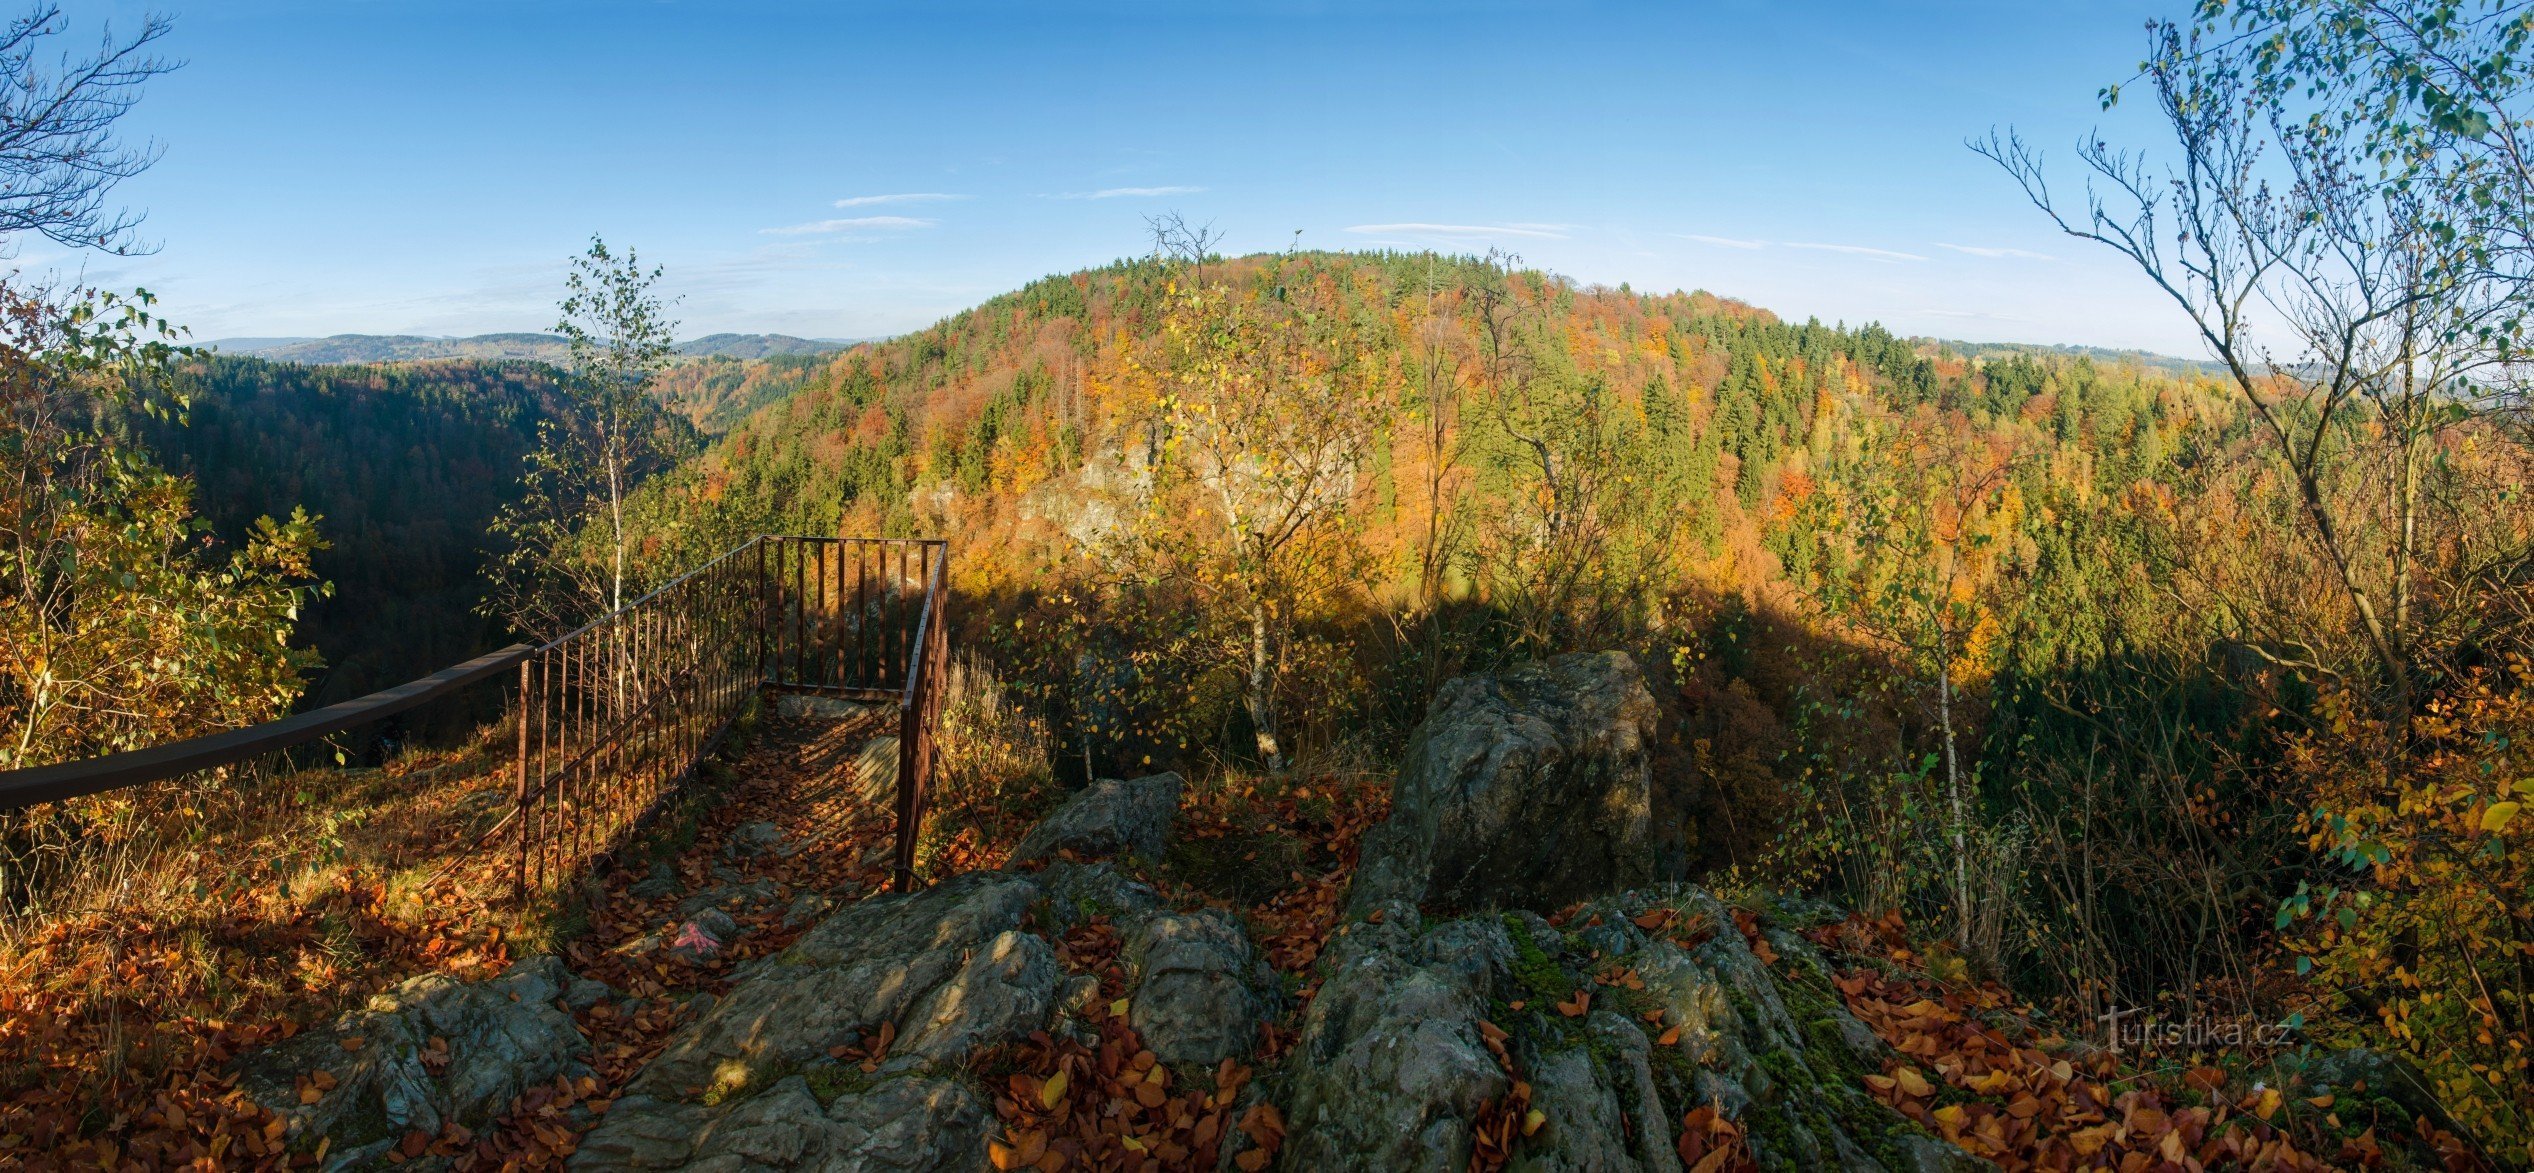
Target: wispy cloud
x,y
1855,250
848,224
904,197
1979,250
1722,241
1119,193
1973,315
1477,231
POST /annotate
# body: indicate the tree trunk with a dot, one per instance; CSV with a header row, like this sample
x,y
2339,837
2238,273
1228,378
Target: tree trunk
x,y
1262,712
1953,793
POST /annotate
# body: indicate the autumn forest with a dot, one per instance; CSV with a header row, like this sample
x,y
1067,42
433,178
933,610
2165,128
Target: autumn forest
x,y
2000,694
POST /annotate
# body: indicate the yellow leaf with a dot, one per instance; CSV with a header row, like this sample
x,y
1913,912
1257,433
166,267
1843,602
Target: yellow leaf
x,y
1053,1093
2496,818
1912,1082
1532,1120
1117,1009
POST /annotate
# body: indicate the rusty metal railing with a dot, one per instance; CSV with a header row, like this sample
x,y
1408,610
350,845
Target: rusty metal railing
x,y
611,718
864,618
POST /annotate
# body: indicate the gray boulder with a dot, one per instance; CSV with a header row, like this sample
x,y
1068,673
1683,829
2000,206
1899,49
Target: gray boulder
x,y
873,963
1109,818
749,1084
912,1124
1004,991
1200,990
754,839
660,881
1392,1070
1530,788
1609,1118
431,1052
1076,892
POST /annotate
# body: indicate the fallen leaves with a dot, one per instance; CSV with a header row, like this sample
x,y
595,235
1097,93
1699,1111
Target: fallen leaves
x,y
1504,1121
2022,1107
1065,1105
1711,1143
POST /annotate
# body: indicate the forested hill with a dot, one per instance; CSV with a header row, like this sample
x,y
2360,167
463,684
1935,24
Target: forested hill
x,y
1009,424
381,348
404,464
1513,464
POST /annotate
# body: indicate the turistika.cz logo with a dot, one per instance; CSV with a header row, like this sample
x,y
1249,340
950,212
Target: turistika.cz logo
x,y
2130,1030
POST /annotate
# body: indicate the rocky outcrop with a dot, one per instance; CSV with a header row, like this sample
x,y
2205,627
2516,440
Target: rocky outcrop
x,y
1109,818
1393,1070
1529,788
875,962
431,1052
1597,1087
1200,990
1523,791
754,1083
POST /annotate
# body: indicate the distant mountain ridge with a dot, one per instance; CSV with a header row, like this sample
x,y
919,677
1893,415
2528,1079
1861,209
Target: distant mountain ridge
x,y
380,348
2143,359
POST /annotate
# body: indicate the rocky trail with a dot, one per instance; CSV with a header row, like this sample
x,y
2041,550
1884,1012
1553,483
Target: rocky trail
x,y
1478,966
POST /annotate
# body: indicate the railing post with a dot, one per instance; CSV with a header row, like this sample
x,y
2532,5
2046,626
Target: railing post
x,y
765,612
527,711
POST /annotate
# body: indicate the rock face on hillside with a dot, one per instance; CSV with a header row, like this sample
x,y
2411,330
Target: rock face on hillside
x,y
430,1052
1530,788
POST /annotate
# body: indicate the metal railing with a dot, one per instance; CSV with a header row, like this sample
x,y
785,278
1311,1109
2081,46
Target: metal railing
x,y
614,716
865,617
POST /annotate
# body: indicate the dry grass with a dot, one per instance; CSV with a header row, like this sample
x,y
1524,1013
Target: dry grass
x,y
191,920
991,781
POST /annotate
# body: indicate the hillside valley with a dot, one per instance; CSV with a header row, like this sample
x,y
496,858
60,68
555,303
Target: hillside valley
x,y
1251,524
1502,633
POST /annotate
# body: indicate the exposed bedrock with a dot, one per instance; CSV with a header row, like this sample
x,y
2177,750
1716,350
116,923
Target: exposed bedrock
x,y
1527,788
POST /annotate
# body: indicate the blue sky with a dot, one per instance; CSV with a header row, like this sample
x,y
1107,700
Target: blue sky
x,y
426,166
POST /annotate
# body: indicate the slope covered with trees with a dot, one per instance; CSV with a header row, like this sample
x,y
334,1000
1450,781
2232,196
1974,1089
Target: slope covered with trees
x,y
404,466
2027,645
